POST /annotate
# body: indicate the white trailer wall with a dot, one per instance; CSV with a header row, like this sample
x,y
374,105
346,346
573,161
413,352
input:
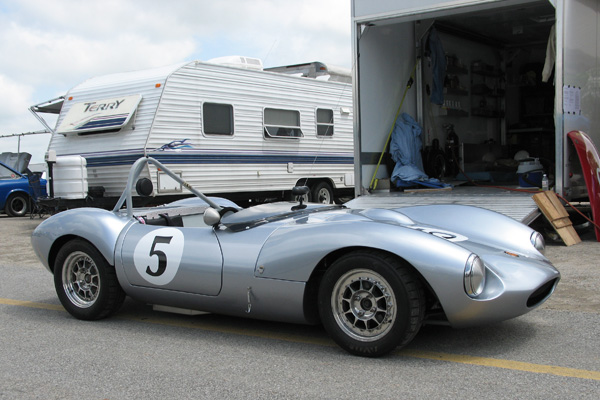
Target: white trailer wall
x,y
245,160
249,92
580,69
131,140
388,53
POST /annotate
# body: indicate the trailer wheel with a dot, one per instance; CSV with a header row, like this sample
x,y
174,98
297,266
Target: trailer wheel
x,y
322,193
17,205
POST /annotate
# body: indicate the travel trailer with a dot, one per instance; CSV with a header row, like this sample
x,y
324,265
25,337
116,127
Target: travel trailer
x,y
266,130
497,86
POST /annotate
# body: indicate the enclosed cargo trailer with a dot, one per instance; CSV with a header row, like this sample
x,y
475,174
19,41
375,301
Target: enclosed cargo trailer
x,y
518,76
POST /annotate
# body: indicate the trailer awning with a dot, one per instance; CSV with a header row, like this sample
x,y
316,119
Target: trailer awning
x,y
99,115
50,107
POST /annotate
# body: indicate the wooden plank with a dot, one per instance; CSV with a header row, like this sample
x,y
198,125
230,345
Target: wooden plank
x,y
554,211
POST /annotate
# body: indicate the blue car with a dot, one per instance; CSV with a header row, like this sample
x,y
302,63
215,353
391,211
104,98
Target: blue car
x,y
18,191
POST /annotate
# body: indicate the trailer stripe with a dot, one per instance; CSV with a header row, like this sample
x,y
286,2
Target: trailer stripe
x,y
222,158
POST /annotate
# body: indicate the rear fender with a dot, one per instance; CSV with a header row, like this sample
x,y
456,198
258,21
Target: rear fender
x,y
14,191
99,227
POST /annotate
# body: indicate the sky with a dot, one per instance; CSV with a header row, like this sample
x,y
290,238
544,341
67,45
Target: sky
x,y
47,47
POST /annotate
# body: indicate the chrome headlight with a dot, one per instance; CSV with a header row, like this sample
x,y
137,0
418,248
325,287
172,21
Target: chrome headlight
x,y
474,276
537,240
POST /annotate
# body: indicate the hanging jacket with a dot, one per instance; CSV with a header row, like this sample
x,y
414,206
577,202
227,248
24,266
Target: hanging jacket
x,y
438,60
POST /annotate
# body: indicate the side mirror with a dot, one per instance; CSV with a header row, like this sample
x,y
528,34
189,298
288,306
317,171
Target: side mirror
x,y
211,217
300,192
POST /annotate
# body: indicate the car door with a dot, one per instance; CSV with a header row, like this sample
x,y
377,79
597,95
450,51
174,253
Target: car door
x,y
173,258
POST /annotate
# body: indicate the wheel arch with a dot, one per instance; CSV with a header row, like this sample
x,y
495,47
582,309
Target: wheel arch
x,y
58,244
310,301
15,192
313,181
98,227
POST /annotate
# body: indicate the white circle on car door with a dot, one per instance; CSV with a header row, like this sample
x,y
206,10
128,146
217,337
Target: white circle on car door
x,y
157,255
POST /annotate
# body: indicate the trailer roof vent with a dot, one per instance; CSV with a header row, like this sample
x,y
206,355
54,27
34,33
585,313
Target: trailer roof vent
x,y
238,62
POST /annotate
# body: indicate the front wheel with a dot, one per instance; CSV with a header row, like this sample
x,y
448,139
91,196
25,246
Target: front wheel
x,y
17,205
370,303
85,282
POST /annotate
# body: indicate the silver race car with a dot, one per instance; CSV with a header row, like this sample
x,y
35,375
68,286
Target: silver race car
x,y
372,277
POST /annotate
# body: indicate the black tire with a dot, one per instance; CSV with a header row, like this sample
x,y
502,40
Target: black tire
x,y
85,282
322,192
371,303
17,205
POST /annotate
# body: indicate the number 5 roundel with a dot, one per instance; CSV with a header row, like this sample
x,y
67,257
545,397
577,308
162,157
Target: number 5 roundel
x,y
157,255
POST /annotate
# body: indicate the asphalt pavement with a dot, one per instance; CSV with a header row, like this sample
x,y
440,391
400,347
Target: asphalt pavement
x,y
550,353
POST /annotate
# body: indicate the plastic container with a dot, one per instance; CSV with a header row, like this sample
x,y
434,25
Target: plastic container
x,y
530,173
70,177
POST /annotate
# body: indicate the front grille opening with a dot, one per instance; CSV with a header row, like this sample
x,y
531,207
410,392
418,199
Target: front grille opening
x,y
542,293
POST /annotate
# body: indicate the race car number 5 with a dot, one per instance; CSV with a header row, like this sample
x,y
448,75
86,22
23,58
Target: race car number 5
x,y
157,255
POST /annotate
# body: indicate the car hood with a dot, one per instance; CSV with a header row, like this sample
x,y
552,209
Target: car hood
x,y
477,229
474,228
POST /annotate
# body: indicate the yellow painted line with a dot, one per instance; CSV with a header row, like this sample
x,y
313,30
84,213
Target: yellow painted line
x,y
31,304
506,364
454,358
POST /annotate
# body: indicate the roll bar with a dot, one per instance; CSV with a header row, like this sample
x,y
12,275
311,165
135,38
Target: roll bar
x,y
134,174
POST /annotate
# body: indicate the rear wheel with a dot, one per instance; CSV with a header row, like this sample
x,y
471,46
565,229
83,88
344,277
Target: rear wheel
x,y
85,282
370,303
17,205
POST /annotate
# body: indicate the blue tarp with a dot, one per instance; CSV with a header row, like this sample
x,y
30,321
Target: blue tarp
x,y
405,149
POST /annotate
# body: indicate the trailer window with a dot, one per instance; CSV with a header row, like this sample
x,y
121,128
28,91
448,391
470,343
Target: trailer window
x,y
282,123
324,122
217,119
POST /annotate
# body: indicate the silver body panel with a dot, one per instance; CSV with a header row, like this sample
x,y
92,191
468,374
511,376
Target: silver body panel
x,y
259,262
519,206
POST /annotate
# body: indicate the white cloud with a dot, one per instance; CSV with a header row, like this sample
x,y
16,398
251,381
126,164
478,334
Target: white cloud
x,y
15,97
48,47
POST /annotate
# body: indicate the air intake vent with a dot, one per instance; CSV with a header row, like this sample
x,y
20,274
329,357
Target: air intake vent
x,y
542,293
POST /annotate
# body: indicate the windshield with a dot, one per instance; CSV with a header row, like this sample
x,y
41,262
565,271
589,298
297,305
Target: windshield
x,y
272,212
